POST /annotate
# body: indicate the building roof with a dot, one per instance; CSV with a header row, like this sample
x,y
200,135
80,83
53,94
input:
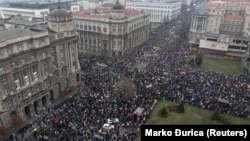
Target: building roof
x,y
216,3
59,12
105,13
14,33
23,20
212,45
234,18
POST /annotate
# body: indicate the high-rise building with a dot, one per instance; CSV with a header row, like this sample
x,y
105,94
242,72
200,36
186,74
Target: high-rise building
x,y
37,66
221,28
111,31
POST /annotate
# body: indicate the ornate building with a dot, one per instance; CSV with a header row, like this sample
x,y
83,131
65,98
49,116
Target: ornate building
x,y
221,28
111,32
37,66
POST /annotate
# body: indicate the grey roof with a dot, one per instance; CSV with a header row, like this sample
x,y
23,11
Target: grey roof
x,y
14,33
22,20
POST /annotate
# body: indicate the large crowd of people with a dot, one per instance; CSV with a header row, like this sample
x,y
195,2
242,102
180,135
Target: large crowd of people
x,y
164,77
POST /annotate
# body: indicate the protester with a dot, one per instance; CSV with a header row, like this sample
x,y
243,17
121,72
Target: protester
x,y
165,77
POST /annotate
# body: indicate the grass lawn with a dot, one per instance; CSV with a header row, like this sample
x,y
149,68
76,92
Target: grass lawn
x,y
224,66
192,115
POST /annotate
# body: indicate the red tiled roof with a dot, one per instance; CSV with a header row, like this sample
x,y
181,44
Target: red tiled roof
x,y
234,18
214,3
90,13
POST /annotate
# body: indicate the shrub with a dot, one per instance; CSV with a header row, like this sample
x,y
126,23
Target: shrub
x,y
215,116
198,59
181,108
163,112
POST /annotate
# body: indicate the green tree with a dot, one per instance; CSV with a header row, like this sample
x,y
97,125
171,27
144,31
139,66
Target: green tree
x,y
181,108
215,116
191,62
163,112
198,59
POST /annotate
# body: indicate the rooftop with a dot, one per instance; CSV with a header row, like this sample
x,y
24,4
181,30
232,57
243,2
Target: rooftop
x,y
104,13
217,3
24,20
14,33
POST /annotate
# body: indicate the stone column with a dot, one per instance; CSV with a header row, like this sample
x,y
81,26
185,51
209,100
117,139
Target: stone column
x,y
193,22
32,109
203,22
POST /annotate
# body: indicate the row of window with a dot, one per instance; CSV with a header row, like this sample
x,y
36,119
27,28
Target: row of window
x,y
20,46
148,5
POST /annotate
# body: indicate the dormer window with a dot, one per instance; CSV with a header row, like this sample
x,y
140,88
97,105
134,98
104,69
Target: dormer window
x,y
20,47
9,50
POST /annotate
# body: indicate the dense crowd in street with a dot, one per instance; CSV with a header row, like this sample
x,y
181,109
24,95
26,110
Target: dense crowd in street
x,y
165,77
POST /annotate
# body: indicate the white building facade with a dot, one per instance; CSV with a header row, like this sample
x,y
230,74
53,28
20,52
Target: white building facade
x,y
6,12
160,11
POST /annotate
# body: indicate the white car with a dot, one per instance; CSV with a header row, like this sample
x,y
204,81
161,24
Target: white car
x,y
103,131
108,126
113,120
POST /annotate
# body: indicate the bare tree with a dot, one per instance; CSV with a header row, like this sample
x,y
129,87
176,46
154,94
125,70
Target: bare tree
x,y
125,86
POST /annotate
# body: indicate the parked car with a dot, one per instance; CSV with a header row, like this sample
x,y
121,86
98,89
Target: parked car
x,y
108,126
113,120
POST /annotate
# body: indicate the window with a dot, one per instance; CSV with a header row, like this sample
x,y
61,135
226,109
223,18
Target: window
x,y
20,47
6,91
2,71
104,29
62,55
29,45
20,95
12,64
52,49
42,42
26,77
32,58
61,47
44,55
53,58
62,62
34,70
29,92
17,83
23,61
4,81
9,50
45,67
